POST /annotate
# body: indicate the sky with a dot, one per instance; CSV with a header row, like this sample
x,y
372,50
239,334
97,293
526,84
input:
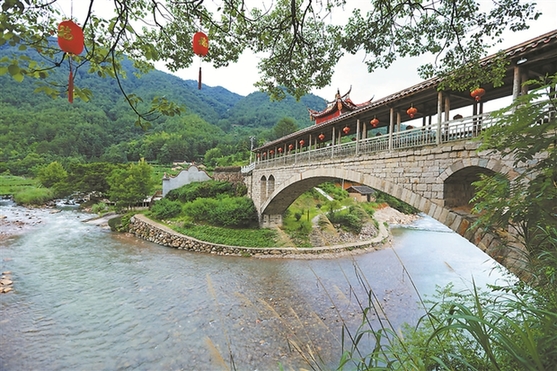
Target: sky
x,y
350,71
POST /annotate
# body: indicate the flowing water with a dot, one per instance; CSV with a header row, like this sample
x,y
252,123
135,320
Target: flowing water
x,y
88,299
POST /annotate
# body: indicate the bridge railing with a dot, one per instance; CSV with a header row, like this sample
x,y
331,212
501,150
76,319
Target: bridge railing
x,y
448,131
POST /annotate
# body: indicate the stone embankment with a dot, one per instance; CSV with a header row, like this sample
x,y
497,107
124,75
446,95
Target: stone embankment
x,y
149,230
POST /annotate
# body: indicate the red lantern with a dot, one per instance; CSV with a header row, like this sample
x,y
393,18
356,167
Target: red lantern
x,y
280,149
321,136
201,48
412,111
346,130
374,122
290,147
477,94
71,41
272,152
70,37
302,142
200,44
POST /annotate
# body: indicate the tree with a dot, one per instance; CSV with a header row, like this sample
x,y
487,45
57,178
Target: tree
x,y
295,39
526,131
285,126
132,185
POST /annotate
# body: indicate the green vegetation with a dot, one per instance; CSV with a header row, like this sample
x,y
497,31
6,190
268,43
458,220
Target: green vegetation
x,y
220,210
208,189
505,328
130,186
166,209
230,236
395,203
10,184
33,196
529,201
36,130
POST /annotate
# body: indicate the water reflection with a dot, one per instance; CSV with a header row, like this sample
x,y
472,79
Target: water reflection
x,y
85,298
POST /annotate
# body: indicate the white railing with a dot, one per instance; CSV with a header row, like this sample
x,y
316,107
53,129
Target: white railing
x,y
453,130
246,169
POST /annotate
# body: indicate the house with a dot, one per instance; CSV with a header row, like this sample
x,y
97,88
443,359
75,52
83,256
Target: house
x,y
361,193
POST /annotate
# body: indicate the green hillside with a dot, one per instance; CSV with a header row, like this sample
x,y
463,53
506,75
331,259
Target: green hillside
x,y
36,129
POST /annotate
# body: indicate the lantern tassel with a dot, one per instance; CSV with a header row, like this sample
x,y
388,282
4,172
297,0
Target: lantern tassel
x,y
70,84
199,80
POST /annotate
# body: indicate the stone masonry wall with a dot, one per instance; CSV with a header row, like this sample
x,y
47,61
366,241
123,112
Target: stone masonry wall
x,y
151,231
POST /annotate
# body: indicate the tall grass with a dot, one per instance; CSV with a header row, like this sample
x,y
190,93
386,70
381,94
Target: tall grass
x,y
10,184
503,328
33,196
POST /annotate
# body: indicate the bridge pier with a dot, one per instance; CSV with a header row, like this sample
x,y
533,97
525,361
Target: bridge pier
x,y
270,221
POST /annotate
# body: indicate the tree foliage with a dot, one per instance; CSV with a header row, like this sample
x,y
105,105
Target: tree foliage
x,y
131,185
526,131
285,126
297,42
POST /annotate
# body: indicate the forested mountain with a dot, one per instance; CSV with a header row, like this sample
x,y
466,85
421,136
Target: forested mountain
x,y
36,129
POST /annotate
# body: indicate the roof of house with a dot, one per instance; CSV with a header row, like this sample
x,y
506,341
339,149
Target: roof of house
x,y
364,190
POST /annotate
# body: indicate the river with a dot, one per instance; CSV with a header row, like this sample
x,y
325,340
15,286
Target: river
x,y
85,298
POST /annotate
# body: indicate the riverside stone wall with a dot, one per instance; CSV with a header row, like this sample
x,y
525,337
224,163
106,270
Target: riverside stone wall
x,y
151,231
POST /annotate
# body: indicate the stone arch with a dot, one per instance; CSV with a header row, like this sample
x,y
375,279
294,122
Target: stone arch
x,y
458,178
291,189
270,184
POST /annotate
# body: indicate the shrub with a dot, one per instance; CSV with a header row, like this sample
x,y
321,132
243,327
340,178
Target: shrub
x,y
209,188
166,209
334,191
231,237
99,208
232,212
395,203
33,196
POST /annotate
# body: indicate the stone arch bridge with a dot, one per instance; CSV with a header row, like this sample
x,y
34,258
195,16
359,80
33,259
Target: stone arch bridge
x,y
436,179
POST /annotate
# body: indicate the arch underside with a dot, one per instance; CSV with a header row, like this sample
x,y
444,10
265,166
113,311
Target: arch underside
x,y
457,188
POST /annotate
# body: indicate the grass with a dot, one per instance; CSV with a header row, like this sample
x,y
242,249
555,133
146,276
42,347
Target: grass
x,y
33,196
10,184
24,191
231,237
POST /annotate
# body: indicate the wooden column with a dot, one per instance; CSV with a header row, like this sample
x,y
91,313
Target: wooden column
x,y
439,116
391,127
516,82
357,137
333,143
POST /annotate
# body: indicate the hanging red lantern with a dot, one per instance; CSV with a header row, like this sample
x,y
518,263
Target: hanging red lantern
x,y
477,94
200,44
272,152
280,149
321,136
71,41
70,37
302,142
374,122
290,147
201,48
346,130
412,111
